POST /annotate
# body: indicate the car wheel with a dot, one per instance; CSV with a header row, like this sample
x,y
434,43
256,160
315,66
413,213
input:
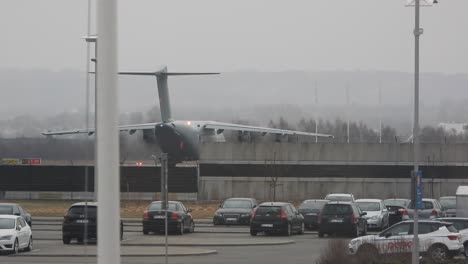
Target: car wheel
x,y
192,227
30,244
66,240
465,252
80,240
367,252
320,234
288,230
215,222
145,231
182,228
364,232
438,253
15,247
356,231
301,232
253,232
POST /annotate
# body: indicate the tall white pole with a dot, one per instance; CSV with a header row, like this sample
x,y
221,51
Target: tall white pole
x,y
380,114
107,141
316,114
347,113
417,32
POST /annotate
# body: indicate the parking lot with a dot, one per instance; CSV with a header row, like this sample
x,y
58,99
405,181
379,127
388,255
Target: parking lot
x,y
209,244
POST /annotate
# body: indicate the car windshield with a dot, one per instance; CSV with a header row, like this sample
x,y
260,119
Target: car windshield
x,y
158,206
448,203
237,204
394,202
337,209
80,210
313,205
369,206
6,209
7,223
338,198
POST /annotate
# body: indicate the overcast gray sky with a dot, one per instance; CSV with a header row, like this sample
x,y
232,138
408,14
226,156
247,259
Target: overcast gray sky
x,y
263,35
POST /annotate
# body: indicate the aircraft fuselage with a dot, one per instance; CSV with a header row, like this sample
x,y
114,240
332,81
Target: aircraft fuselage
x,y
180,139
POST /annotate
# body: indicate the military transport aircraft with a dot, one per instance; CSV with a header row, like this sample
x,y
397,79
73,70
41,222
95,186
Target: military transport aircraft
x,y
181,139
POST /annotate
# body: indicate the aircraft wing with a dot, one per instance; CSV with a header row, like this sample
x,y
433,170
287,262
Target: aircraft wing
x,y
264,130
131,128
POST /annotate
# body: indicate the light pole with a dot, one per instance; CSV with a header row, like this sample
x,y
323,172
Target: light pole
x,y
417,32
93,39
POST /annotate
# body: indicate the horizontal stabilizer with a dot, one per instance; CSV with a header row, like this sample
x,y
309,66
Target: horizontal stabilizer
x,y
162,73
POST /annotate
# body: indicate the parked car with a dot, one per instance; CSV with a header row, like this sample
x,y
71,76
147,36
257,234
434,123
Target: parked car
x,y
235,211
276,217
80,217
431,209
376,213
397,211
15,209
437,240
310,209
179,219
342,217
449,205
15,234
347,197
461,224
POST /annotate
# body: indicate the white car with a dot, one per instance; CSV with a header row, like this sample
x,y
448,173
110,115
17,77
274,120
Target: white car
x,y
377,214
347,197
15,234
437,240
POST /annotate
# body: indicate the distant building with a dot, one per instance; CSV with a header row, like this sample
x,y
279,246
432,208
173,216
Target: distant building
x,y
454,128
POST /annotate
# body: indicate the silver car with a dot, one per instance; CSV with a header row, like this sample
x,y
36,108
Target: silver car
x,y
431,209
377,214
449,205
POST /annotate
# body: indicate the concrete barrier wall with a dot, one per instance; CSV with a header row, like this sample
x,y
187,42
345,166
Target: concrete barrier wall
x,y
330,152
294,189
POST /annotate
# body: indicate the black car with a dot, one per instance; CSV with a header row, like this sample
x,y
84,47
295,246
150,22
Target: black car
x,y
397,211
342,217
15,209
80,217
179,219
235,211
275,217
310,209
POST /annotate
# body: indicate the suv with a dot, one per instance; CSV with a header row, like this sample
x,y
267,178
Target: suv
x,y
310,209
346,197
79,217
437,240
235,211
275,217
342,217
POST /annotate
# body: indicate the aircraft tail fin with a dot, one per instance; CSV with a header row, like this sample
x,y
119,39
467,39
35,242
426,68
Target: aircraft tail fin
x,y
163,91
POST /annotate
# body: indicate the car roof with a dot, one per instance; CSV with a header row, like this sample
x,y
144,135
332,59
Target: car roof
x,y
427,221
240,198
451,218
340,202
339,194
315,200
167,202
84,204
448,197
273,204
398,199
368,200
9,216
11,204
